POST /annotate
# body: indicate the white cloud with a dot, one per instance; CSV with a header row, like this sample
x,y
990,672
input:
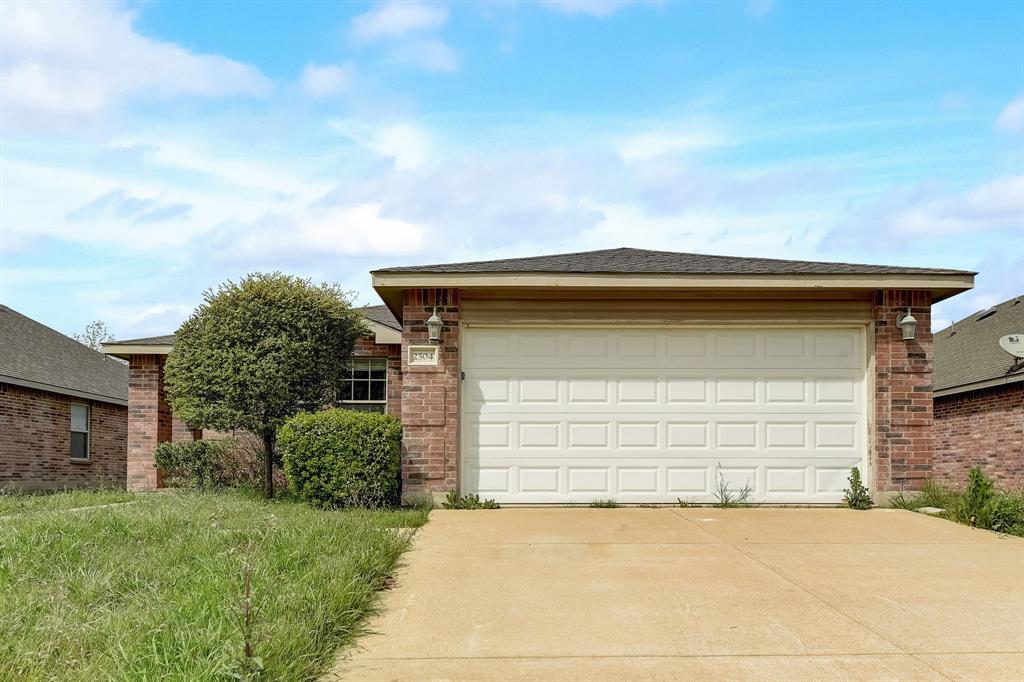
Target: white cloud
x,y
594,8
429,55
67,61
407,145
325,81
1011,118
395,19
648,145
315,232
931,211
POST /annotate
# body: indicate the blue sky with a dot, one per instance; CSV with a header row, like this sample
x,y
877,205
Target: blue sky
x,y
151,150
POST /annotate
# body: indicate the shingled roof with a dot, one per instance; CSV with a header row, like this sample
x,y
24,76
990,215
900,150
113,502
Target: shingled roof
x,y
967,353
381,315
644,261
33,355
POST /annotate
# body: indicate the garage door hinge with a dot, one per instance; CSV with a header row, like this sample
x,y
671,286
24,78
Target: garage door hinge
x,y
462,375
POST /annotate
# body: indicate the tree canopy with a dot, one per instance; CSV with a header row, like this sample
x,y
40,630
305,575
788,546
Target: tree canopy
x,y
258,351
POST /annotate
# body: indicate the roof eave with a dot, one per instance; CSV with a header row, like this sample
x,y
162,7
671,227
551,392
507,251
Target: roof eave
x,y
978,385
126,350
61,390
389,284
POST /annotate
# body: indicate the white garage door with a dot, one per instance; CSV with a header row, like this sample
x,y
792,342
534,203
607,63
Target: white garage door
x,y
652,415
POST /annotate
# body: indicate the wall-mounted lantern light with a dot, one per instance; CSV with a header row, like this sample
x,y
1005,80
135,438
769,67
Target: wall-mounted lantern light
x,y
909,326
434,328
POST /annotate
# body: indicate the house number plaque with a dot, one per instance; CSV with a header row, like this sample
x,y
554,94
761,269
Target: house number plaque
x,y
423,355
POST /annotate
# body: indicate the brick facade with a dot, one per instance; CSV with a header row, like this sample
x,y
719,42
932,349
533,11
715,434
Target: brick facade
x,y
903,443
982,428
35,441
430,396
149,419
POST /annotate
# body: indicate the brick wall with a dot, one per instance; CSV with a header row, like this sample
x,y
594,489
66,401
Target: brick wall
x,y
35,441
982,428
430,395
367,348
903,447
149,419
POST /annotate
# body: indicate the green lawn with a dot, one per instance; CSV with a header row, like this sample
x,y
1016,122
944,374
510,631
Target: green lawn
x,y
155,589
16,503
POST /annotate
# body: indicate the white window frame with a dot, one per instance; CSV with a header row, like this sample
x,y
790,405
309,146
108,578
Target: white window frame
x,y
87,432
350,380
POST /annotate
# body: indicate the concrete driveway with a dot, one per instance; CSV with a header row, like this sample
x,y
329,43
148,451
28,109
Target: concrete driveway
x,y
666,594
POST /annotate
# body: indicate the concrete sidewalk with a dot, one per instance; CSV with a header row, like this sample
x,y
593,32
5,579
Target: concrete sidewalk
x,y
666,594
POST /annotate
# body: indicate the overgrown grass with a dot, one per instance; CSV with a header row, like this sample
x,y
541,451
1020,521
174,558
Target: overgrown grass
x,y
605,504
15,502
155,589
1002,511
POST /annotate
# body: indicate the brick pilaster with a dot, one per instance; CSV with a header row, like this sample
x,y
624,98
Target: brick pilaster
x,y
903,447
149,419
430,395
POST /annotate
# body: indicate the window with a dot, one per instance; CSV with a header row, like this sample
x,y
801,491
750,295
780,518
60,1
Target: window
x,y
79,431
367,385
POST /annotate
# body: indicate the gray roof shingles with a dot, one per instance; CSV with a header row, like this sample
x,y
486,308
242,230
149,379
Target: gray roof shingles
x,y
968,352
643,261
32,352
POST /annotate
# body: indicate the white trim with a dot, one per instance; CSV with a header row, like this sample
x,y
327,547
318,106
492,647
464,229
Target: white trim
x,y
60,390
978,385
123,350
383,334
960,282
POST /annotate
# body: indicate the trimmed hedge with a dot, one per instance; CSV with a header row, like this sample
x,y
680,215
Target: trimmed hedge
x,y
342,458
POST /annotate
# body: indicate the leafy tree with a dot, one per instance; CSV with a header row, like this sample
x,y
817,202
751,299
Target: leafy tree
x,y
94,335
259,351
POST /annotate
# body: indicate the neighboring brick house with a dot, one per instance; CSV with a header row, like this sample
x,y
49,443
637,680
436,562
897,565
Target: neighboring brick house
x,y
979,398
644,376
63,410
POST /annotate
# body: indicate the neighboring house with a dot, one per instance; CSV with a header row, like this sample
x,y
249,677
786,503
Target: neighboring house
x,y
63,410
638,375
979,398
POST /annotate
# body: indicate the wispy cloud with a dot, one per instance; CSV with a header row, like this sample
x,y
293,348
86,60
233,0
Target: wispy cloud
x,y
1011,118
65,62
759,8
119,204
327,80
396,19
595,8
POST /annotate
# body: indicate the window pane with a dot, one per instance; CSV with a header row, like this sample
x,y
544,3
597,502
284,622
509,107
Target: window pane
x,y
79,445
377,391
346,391
379,370
360,390
79,417
361,372
365,407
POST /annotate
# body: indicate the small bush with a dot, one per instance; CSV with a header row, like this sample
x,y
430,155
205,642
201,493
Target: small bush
x,y
204,464
857,496
979,492
1003,513
342,458
456,501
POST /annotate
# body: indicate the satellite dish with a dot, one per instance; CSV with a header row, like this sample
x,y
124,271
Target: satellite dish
x,y
1013,344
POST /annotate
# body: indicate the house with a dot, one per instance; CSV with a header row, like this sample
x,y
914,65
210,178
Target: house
x,y
644,376
979,398
63,410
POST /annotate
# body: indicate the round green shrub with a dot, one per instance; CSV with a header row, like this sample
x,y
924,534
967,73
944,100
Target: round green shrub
x,y
341,458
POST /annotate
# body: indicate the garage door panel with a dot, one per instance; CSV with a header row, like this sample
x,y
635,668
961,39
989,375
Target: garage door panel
x,y
655,348
570,416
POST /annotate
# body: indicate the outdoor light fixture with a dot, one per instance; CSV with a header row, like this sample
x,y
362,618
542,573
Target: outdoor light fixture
x,y
434,328
909,326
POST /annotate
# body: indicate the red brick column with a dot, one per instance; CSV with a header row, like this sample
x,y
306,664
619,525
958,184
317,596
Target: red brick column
x,y
430,396
149,419
904,443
